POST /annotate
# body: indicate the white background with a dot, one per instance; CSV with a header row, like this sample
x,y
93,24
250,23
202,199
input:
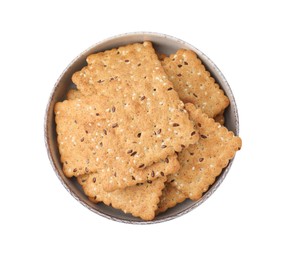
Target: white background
x,y
40,220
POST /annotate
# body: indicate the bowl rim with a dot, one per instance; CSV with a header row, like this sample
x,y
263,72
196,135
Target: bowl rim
x,y
205,196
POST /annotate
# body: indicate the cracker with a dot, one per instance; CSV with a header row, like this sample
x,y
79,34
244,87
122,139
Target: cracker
x,y
151,120
168,166
220,118
202,162
140,200
193,82
88,145
170,197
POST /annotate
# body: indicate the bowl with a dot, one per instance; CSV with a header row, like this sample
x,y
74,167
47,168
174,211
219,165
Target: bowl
x,y
163,44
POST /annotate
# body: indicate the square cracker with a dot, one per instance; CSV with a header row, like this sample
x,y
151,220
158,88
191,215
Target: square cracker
x,y
88,144
170,197
140,200
149,117
202,162
193,82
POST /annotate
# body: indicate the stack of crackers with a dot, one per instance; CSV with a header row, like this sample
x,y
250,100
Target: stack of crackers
x,y
143,132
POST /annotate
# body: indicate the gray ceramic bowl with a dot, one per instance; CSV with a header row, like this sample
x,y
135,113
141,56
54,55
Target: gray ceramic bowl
x,y
163,44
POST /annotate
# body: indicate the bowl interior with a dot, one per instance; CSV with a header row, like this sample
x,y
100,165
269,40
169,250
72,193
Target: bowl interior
x,y
163,44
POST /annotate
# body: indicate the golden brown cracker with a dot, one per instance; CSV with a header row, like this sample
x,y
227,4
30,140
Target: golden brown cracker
x,y
193,82
73,137
150,118
88,143
202,162
140,200
170,197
